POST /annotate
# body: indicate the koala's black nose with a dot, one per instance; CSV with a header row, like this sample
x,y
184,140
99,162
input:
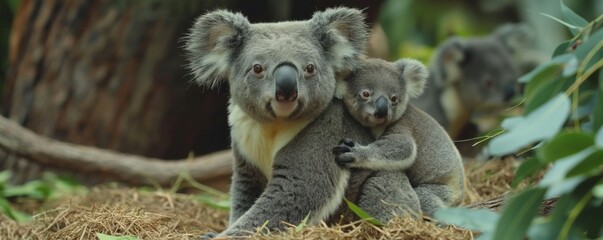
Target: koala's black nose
x,y
285,77
381,106
508,93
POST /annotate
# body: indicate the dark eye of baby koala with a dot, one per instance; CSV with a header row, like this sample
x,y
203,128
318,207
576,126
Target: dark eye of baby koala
x,y
366,94
257,68
310,68
394,98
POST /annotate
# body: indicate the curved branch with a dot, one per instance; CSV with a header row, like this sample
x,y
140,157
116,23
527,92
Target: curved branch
x,y
124,167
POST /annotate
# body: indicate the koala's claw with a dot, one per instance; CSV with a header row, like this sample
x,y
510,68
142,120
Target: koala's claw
x,y
208,235
348,142
341,149
345,159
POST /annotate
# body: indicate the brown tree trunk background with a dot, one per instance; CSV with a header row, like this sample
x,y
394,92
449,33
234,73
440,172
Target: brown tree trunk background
x,y
110,75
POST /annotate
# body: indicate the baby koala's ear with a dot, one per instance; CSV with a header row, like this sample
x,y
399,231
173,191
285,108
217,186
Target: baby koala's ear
x,y
414,74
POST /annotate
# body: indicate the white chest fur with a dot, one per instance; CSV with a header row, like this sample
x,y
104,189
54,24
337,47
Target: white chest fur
x,y
259,142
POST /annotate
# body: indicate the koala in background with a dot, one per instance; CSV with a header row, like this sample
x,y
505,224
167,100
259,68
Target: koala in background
x,y
470,75
408,140
282,112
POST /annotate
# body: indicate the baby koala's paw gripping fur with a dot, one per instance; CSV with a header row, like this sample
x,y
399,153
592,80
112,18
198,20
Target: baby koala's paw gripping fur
x,y
346,153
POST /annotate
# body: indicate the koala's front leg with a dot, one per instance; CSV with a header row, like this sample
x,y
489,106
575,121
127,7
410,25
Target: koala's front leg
x,y
390,152
301,185
248,183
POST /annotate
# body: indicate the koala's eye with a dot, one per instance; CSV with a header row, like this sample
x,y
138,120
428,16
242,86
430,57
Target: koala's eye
x,y
257,68
366,94
310,68
394,98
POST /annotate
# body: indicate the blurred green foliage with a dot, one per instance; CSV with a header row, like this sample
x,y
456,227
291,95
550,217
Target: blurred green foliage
x,y
414,28
561,128
50,186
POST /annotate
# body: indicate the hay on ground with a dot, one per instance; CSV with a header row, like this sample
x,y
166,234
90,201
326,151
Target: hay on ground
x,y
158,215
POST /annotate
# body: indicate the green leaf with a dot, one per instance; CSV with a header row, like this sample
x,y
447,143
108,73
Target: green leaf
x,y
570,68
563,145
590,165
572,18
599,136
542,123
34,189
597,112
557,174
474,219
545,93
361,213
555,64
109,237
303,223
518,214
568,25
527,168
598,191
222,204
9,211
590,45
562,48
4,178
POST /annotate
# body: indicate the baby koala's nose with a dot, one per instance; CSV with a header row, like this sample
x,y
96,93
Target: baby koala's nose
x,y
381,107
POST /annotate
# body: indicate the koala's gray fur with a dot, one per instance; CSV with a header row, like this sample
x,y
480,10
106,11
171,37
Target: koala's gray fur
x,y
408,140
283,167
468,75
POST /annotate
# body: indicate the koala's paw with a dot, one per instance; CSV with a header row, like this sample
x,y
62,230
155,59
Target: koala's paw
x,y
208,235
344,152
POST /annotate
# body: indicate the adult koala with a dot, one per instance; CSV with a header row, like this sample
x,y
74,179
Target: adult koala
x,y
283,117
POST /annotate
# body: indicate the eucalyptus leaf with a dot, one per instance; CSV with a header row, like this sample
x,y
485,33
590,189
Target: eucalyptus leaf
x,y
510,122
361,213
571,67
562,48
597,112
598,191
563,145
518,214
572,18
590,165
589,46
537,96
542,123
474,219
557,174
527,168
562,187
568,25
599,137
556,64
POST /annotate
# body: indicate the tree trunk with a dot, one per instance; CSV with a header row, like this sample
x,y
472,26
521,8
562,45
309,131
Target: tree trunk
x,y
110,74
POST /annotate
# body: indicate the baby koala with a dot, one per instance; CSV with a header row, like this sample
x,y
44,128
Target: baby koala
x,y
407,139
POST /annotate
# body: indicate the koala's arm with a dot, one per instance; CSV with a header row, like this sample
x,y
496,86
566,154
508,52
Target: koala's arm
x,y
394,150
248,183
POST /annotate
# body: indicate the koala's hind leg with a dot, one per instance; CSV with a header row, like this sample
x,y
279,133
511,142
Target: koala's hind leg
x,y
433,197
386,194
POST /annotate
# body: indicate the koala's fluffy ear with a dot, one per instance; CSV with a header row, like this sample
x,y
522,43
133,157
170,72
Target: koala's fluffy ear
x,y
211,42
414,74
343,34
451,56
